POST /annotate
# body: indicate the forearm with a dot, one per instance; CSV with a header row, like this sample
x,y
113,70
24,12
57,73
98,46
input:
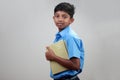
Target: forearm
x,y
73,64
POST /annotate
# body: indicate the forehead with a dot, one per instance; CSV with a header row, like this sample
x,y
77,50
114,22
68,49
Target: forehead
x,y
61,13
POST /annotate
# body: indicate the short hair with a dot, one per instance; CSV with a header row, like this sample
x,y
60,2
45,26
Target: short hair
x,y
66,7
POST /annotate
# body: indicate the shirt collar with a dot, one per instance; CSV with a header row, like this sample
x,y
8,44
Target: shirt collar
x,y
63,32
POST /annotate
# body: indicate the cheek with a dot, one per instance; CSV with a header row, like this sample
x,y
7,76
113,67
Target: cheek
x,y
55,20
67,21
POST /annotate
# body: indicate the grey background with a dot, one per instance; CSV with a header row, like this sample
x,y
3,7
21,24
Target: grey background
x,y
27,27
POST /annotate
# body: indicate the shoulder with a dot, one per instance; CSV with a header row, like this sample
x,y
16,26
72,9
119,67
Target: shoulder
x,y
72,35
73,39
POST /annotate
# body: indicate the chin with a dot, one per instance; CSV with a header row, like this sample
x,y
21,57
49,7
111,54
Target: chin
x,y
61,28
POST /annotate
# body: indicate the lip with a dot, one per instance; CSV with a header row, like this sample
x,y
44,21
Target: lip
x,y
60,24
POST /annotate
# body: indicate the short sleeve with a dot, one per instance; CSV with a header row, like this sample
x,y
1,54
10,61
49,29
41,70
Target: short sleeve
x,y
74,47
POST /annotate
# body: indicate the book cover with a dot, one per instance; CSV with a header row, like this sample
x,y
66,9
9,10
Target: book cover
x,y
60,50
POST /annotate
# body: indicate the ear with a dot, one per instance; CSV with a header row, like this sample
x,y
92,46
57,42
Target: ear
x,y
71,20
53,17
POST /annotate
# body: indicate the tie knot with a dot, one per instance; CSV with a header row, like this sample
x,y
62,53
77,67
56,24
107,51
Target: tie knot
x,y
58,36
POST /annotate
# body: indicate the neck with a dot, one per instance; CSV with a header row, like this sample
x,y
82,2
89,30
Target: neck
x,y
62,29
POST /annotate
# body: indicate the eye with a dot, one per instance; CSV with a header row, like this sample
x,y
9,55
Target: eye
x,y
57,16
65,16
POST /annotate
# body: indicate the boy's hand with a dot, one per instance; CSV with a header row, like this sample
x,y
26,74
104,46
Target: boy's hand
x,y
50,55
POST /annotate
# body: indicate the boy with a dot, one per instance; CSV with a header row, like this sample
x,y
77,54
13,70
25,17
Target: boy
x,y
63,17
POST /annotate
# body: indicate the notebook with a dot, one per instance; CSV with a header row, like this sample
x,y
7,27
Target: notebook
x,y
60,50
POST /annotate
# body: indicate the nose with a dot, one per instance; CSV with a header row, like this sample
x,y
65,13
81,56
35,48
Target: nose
x,y
60,19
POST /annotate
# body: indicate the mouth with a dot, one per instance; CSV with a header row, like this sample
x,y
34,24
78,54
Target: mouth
x,y
59,24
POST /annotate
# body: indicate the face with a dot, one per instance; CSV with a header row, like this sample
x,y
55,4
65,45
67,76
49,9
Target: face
x,y
62,19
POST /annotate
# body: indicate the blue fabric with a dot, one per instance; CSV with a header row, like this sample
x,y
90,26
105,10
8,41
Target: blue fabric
x,y
75,49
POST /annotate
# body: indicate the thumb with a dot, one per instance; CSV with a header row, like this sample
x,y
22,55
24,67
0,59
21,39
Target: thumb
x,y
48,48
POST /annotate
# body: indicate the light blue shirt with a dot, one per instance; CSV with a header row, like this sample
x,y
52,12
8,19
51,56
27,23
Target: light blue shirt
x,y
75,49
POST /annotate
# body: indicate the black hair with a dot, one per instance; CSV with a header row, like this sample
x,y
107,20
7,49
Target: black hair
x,y
66,7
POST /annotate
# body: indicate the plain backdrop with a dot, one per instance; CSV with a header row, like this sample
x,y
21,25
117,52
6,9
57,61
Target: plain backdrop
x,y
27,27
